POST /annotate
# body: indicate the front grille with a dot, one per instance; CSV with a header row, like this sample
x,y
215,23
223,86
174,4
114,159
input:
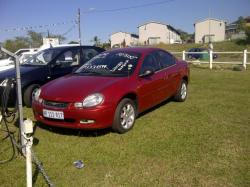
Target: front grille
x,y
55,104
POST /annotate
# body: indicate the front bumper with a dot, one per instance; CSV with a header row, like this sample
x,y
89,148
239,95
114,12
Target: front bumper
x,y
100,116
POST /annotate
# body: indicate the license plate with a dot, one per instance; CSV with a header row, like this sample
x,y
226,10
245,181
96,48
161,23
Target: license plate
x,y
53,114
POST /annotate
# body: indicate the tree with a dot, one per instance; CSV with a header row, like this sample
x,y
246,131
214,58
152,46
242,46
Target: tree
x,y
32,40
106,45
185,37
36,39
247,32
96,41
241,23
17,43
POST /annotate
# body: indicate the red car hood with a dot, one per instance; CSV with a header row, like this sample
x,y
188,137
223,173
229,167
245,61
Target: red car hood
x,y
74,88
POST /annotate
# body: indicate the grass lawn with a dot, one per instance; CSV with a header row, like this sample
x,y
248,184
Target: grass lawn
x,y
204,141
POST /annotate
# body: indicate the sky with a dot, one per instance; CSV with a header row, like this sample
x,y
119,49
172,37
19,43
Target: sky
x,y
60,16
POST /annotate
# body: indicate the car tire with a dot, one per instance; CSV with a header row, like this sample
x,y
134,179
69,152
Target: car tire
x,y
181,94
28,94
125,115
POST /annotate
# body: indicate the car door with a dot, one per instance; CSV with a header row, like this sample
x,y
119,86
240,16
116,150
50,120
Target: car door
x,y
65,63
149,88
171,73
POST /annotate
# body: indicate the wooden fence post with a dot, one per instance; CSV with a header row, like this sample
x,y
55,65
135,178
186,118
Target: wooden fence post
x,y
184,55
210,59
245,59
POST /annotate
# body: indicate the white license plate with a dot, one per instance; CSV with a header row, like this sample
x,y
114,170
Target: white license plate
x,y
53,114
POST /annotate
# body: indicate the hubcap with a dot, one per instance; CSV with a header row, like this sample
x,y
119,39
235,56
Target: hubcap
x,y
183,91
33,93
127,116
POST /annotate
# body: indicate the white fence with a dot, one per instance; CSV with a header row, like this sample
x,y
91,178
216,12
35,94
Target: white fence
x,y
211,60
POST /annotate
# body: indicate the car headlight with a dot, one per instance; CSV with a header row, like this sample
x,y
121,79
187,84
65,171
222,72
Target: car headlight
x,y
37,94
4,83
91,100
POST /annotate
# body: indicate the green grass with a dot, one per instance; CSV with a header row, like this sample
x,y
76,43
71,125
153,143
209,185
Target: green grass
x,y
204,141
228,46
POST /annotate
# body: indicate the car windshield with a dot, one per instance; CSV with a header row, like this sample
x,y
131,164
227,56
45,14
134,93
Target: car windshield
x,y
43,57
111,64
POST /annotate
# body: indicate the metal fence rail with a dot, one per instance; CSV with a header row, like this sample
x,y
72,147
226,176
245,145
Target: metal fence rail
x,y
211,61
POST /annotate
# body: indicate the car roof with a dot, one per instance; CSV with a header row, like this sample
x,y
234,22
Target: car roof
x,y
142,50
73,46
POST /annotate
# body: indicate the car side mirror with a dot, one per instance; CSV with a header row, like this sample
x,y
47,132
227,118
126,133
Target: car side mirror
x,y
147,73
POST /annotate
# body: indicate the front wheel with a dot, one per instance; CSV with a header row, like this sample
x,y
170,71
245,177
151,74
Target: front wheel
x,y
29,94
125,115
181,94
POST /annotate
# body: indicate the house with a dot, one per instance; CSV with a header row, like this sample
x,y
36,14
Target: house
x,y
234,32
123,39
151,33
209,29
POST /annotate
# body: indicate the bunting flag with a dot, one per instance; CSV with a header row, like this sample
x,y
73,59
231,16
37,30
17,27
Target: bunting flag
x,y
25,28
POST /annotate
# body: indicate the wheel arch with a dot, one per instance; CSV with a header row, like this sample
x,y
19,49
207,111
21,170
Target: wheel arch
x,y
133,96
185,78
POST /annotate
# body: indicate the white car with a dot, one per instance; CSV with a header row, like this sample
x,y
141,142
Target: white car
x,y
23,54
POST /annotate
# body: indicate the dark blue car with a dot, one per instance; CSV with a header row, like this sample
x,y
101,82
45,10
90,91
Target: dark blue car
x,y
47,65
199,56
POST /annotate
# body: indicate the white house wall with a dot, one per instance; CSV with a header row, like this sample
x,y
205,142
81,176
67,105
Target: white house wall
x,y
156,30
119,37
217,28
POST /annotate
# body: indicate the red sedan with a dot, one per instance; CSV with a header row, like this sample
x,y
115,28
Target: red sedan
x,y
112,89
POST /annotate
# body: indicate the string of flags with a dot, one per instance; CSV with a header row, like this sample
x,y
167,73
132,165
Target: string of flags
x,y
25,28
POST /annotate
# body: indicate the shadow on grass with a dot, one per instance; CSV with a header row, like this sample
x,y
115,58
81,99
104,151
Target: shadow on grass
x,y
74,132
92,133
156,107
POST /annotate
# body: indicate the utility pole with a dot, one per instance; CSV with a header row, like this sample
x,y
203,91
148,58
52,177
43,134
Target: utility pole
x,y
79,26
209,26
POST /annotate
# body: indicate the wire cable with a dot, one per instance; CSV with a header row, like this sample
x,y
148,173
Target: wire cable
x,y
8,116
127,8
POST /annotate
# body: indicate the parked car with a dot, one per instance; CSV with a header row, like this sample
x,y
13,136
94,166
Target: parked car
x,y
201,55
112,89
47,65
8,63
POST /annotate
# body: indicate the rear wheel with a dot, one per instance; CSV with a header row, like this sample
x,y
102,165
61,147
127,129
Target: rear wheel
x,y
29,94
125,115
181,94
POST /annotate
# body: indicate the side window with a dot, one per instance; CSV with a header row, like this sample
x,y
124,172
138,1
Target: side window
x,y
69,58
166,59
88,54
149,63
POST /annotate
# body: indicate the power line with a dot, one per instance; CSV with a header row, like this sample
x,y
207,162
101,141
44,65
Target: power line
x,y
25,28
69,30
127,8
